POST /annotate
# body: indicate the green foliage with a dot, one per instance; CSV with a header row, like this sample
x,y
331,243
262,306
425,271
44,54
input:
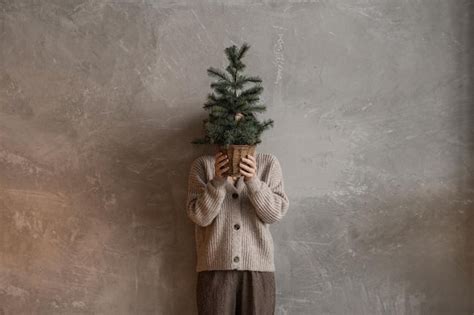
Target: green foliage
x,y
233,104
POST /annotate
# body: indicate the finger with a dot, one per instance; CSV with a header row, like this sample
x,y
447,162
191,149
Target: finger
x,y
250,157
243,172
222,172
220,155
222,162
222,158
246,167
223,169
249,162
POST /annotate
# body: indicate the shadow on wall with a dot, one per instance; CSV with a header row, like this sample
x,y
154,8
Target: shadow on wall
x,y
159,236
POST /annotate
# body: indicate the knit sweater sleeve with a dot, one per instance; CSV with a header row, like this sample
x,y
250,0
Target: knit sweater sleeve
x,y
269,199
204,199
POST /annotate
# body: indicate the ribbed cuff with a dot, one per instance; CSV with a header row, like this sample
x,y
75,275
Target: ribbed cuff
x,y
218,181
253,184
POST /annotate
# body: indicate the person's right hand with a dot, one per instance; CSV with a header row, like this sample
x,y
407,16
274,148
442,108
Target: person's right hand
x,y
221,164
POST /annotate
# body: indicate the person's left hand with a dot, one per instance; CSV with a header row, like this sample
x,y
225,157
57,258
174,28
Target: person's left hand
x,y
248,167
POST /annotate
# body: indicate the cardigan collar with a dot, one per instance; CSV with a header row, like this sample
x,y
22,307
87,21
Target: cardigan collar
x,y
239,185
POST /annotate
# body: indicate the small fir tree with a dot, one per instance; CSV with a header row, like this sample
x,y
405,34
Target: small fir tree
x,y
232,105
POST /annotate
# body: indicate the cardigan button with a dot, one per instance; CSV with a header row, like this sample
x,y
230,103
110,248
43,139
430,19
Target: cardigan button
x,y
235,195
236,259
236,226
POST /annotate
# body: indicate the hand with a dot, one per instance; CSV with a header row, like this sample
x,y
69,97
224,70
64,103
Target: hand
x,y
248,167
221,164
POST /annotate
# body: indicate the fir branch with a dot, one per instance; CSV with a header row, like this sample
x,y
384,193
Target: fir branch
x,y
239,66
232,71
212,97
212,100
255,90
231,54
212,105
252,100
254,79
258,108
218,110
243,49
214,72
249,100
267,123
222,84
222,90
242,80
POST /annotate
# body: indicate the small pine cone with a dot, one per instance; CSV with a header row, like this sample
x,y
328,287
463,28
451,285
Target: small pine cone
x,y
238,116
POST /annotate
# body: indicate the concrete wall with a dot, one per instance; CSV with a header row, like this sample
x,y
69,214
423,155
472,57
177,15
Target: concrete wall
x,y
374,125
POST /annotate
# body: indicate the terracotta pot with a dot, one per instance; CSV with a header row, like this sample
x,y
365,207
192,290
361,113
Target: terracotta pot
x,y
235,152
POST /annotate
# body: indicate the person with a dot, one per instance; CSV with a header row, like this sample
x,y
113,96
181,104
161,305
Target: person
x,y
234,246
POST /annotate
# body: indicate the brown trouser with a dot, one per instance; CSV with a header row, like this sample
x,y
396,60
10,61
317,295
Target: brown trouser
x,y
235,292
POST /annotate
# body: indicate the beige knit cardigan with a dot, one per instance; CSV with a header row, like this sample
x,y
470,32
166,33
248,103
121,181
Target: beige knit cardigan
x,y
232,222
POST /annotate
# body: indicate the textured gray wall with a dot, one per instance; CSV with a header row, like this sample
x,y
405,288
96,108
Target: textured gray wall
x,y
373,110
